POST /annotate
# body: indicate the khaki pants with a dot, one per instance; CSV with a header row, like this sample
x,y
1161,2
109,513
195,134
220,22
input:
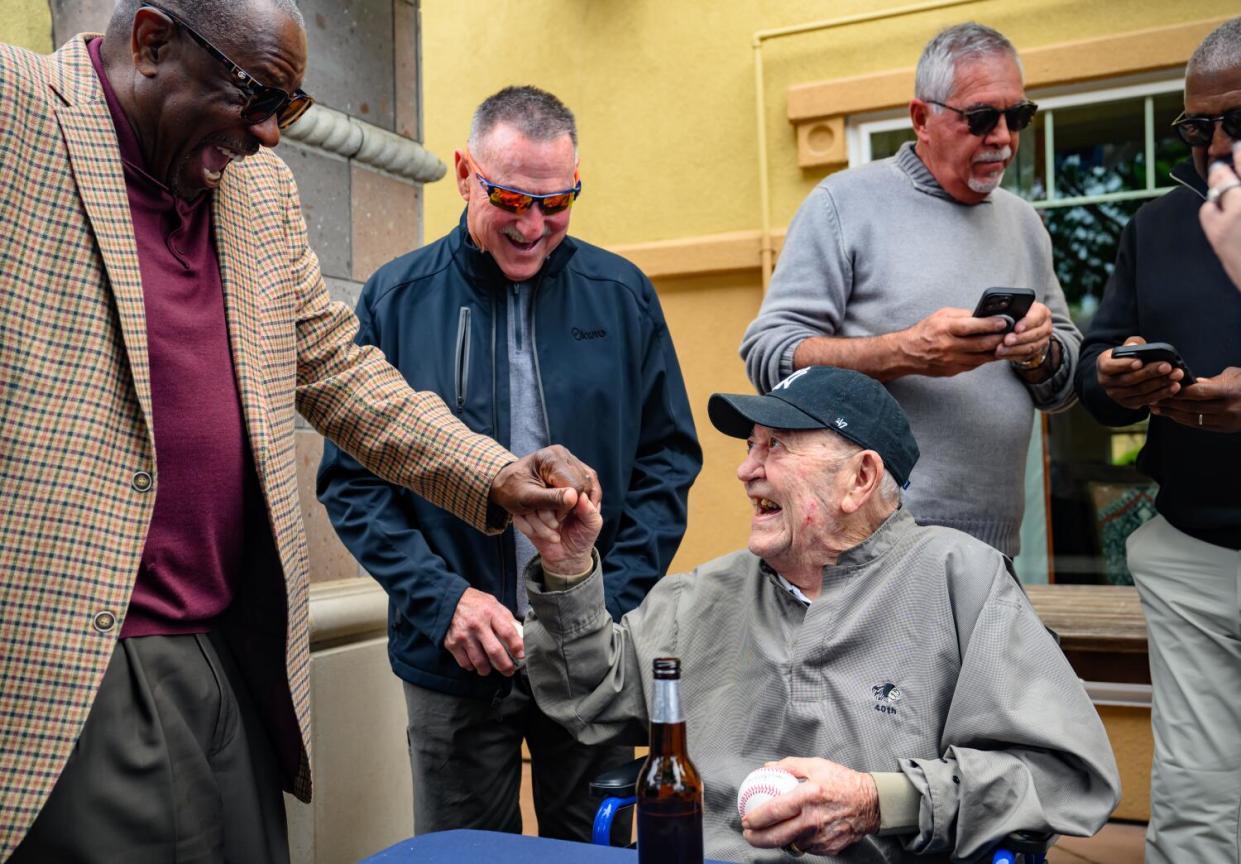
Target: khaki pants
x,y
1191,594
465,755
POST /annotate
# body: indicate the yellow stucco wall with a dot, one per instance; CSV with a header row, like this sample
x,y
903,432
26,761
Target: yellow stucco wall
x,y
664,96
27,23
664,91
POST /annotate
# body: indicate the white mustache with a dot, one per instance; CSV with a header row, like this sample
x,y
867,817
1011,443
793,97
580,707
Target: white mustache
x,y
1002,155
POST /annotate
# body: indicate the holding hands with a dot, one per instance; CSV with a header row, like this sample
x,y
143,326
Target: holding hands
x,y
831,810
553,497
563,544
551,479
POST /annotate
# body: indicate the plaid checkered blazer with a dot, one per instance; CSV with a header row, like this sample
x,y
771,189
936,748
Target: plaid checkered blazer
x,y
75,420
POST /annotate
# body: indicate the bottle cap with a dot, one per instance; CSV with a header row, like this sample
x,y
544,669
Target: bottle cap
x,y
667,668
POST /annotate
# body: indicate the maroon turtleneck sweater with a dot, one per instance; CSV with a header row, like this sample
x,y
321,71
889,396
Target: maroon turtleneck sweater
x,y
204,478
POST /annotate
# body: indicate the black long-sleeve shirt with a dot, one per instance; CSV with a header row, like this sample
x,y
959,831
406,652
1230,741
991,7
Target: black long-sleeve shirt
x,y
1169,286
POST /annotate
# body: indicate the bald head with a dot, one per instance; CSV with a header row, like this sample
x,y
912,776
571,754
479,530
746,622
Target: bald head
x,y
223,22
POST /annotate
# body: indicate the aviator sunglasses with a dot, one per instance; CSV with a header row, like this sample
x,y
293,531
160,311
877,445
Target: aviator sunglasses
x,y
982,119
517,201
1196,130
262,101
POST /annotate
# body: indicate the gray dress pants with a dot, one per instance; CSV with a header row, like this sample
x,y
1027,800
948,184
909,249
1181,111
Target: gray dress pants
x,y
173,766
465,755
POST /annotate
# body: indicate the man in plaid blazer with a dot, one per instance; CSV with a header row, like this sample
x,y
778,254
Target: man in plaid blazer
x,y
161,320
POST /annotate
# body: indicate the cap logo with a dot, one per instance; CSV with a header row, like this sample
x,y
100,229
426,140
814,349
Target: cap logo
x,y
840,422
784,385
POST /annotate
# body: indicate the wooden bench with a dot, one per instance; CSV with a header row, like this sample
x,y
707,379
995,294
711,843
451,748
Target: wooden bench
x,y
1101,629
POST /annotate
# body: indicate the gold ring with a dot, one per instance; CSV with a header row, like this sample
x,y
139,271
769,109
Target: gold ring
x,y
1199,419
1215,195
794,850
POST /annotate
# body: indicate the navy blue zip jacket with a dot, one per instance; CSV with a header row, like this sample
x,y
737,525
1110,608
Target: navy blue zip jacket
x,y
613,395
1168,286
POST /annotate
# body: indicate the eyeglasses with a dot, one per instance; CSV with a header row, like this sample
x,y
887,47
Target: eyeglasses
x,y
518,201
1197,130
984,118
262,101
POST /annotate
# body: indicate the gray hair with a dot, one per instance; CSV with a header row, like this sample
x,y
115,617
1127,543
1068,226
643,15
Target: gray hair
x,y
220,22
535,113
1219,52
937,67
889,490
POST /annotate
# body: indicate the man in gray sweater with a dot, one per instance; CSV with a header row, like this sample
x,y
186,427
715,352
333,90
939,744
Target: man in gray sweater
x,y
896,668
884,264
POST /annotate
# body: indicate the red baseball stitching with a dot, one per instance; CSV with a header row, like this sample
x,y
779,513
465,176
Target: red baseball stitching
x,y
769,788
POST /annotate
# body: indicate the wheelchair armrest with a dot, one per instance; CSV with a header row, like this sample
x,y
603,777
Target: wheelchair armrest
x,y
617,782
1028,842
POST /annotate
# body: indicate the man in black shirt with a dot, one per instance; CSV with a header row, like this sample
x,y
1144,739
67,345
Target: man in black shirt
x,y
1169,286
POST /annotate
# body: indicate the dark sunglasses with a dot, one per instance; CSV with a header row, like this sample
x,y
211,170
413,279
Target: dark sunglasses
x,y
261,101
1197,130
984,118
517,201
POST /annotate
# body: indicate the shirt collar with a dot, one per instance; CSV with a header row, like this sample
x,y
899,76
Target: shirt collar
x,y
877,544
912,166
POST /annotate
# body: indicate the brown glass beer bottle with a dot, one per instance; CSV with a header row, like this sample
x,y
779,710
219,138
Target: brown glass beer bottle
x,y
669,787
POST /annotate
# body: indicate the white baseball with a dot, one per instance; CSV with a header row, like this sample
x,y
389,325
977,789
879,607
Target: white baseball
x,y
761,785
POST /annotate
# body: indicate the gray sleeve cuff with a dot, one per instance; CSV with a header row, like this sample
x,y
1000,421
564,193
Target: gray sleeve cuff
x,y
563,582
569,610
899,803
786,360
1056,393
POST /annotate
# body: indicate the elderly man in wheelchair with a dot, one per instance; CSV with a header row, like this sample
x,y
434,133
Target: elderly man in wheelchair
x,y
898,670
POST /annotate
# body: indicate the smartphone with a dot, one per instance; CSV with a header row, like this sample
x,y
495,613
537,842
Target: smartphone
x,y
1009,303
1155,352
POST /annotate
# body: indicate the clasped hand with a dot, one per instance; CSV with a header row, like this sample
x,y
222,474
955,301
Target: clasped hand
x,y
541,491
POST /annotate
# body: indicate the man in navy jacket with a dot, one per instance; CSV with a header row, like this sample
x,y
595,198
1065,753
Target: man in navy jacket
x,y
1169,286
531,337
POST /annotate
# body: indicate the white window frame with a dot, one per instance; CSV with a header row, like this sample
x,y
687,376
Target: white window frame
x,y
861,127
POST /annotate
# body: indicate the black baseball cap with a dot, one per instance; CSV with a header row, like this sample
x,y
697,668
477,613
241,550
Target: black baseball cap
x,y
851,404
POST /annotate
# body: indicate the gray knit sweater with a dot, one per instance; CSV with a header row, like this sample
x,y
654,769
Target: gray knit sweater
x,y
875,249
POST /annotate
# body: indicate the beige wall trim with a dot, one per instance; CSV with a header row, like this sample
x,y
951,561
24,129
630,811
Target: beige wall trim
x,y
696,256
346,609
335,132
817,109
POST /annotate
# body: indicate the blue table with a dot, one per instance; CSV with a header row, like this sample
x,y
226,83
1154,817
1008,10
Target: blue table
x,y
491,847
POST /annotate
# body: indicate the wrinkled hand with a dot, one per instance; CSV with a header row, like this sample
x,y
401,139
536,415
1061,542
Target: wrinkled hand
x,y
833,809
951,341
1132,384
1030,337
1217,400
1222,221
479,633
549,480
565,546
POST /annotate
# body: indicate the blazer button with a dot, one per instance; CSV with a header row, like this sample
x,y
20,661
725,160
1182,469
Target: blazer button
x,y
104,621
142,481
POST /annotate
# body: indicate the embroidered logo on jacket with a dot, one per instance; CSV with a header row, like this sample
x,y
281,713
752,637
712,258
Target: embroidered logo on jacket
x,y
585,335
887,695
